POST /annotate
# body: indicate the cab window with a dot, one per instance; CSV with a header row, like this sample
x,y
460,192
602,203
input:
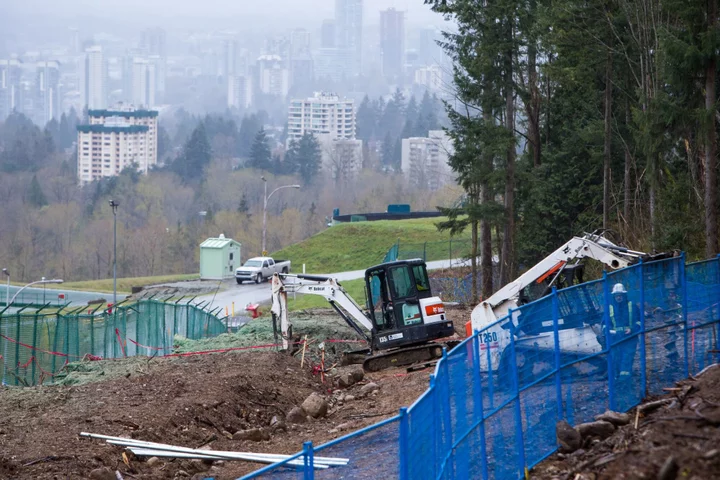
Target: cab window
x,y
402,286
422,282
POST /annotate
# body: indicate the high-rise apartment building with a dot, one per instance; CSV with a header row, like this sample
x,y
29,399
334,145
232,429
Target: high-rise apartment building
x,y
273,76
348,31
392,43
431,77
153,43
425,160
114,139
322,114
327,34
229,58
10,87
144,82
239,91
93,79
47,84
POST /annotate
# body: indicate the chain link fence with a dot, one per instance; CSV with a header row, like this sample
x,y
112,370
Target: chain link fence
x,y
34,347
493,402
455,250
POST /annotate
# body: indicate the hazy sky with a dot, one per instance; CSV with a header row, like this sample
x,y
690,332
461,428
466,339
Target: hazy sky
x,y
168,11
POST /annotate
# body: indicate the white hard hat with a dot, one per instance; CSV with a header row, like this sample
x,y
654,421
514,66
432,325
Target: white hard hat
x,y
618,288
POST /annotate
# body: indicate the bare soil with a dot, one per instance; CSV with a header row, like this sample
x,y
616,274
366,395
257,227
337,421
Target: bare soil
x,y
684,432
189,401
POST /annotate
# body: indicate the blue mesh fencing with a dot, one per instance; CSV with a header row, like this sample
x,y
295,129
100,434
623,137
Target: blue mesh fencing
x,y
493,401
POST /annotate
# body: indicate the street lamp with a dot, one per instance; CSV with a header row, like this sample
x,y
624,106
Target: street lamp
x,y
267,197
43,281
114,205
7,293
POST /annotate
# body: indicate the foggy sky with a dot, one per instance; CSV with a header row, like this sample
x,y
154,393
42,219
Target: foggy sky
x,y
145,12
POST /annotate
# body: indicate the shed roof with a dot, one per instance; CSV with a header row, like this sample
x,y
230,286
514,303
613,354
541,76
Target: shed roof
x,y
217,242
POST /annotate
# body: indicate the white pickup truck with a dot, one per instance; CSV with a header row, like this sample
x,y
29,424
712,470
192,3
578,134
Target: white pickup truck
x,y
259,269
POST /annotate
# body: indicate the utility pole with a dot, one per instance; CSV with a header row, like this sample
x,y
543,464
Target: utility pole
x,y
114,205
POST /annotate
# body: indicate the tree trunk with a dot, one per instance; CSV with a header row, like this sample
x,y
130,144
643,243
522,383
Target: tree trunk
x,y
486,248
533,106
626,176
508,253
607,148
473,262
711,235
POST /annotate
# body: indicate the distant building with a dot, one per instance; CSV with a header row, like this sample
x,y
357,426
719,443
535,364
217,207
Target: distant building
x,y
341,157
47,85
94,79
392,43
229,58
114,139
239,91
144,82
430,77
273,76
10,87
327,34
348,31
425,160
322,114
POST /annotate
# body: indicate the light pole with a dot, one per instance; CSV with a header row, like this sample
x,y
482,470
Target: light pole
x,y
43,281
267,197
7,293
114,205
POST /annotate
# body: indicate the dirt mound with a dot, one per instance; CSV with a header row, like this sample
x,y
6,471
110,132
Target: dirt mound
x,y
679,437
188,401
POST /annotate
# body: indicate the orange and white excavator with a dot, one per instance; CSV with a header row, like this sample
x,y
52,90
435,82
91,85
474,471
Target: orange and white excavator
x,y
562,268
401,321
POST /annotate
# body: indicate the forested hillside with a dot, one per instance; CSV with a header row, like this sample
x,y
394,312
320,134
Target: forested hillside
x,y
615,106
209,183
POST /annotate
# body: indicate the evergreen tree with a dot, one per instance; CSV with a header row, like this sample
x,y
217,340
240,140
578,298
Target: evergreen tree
x,y
243,206
388,151
309,158
411,110
196,155
249,127
366,120
36,197
260,155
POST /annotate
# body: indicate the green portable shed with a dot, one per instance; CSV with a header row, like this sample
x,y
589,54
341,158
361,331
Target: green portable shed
x,y
219,257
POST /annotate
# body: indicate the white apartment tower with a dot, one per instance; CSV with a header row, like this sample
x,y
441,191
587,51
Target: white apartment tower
x,y
273,76
348,31
114,139
144,82
322,114
10,87
239,91
47,85
425,160
93,79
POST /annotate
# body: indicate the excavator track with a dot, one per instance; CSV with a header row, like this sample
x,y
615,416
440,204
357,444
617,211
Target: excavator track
x,y
402,357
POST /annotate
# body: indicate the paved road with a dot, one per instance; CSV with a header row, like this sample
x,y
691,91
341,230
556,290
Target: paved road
x,y
249,293
53,296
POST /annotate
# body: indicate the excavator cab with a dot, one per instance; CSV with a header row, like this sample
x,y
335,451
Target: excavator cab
x,y
401,305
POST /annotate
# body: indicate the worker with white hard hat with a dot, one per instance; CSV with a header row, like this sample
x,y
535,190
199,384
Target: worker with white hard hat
x,y
624,323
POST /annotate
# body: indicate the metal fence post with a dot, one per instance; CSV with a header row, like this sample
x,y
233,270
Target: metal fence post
x,y
608,339
556,336
309,468
404,444
683,283
490,375
519,441
643,347
479,414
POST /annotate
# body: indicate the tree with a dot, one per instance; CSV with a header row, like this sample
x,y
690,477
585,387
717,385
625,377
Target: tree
x,y
195,157
388,151
249,127
366,120
306,157
260,156
35,196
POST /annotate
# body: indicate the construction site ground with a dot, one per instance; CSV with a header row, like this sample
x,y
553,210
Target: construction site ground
x,y
677,439
192,401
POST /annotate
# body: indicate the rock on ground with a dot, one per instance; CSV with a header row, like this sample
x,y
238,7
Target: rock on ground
x,y
296,415
568,438
616,418
103,473
253,434
599,429
368,388
315,406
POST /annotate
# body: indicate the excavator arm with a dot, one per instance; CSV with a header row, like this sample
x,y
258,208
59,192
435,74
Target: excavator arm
x,y
589,246
326,287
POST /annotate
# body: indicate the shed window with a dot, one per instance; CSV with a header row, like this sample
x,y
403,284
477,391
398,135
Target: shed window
x,y
231,255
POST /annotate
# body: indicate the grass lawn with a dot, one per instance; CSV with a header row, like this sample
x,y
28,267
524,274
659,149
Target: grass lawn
x,y
359,245
354,288
124,285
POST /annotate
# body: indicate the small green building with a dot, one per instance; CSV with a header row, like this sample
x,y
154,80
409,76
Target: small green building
x,y
219,257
